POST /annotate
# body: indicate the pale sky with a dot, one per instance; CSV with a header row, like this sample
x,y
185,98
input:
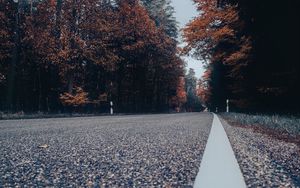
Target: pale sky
x,y
186,11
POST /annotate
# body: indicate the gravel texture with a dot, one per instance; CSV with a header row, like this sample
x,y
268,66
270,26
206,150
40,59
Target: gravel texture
x,y
119,151
264,160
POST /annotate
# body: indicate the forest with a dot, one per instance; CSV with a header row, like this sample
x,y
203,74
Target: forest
x,y
251,54
77,55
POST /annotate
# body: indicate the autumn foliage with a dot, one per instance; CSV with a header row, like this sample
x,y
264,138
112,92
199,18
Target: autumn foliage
x,y
79,98
245,59
57,53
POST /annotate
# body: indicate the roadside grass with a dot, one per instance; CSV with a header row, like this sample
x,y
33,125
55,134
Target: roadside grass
x,y
40,115
288,124
44,115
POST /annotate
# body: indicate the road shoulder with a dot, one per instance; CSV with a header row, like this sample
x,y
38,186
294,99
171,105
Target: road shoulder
x,y
264,161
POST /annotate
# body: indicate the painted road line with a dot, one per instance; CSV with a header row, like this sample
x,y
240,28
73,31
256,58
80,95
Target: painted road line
x,y
219,167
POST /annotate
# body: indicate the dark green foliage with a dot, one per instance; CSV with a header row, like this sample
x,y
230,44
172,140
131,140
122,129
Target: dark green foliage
x,y
162,13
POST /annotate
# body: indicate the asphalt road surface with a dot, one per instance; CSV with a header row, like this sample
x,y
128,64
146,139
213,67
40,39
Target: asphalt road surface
x,y
119,151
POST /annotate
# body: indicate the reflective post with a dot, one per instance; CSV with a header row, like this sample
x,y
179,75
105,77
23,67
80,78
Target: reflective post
x,y
227,106
111,108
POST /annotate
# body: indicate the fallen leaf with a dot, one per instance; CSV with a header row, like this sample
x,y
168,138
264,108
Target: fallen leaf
x,y
44,146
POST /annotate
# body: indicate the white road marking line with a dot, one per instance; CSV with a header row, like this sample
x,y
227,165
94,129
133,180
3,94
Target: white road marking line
x,y
219,167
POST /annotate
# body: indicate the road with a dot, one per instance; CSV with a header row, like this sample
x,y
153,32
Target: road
x,y
119,151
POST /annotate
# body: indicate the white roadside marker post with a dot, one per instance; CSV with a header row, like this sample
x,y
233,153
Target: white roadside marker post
x,y
227,107
111,108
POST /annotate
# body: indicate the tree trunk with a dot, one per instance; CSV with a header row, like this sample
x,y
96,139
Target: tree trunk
x,y
11,76
70,83
40,90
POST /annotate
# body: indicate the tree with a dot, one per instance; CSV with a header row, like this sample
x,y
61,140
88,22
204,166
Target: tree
x,y
6,36
193,101
244,49
178,101
6,32
203,91
105,48
145,74
162,13
215,37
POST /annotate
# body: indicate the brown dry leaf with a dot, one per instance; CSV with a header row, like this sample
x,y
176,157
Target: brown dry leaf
x,y
44,146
